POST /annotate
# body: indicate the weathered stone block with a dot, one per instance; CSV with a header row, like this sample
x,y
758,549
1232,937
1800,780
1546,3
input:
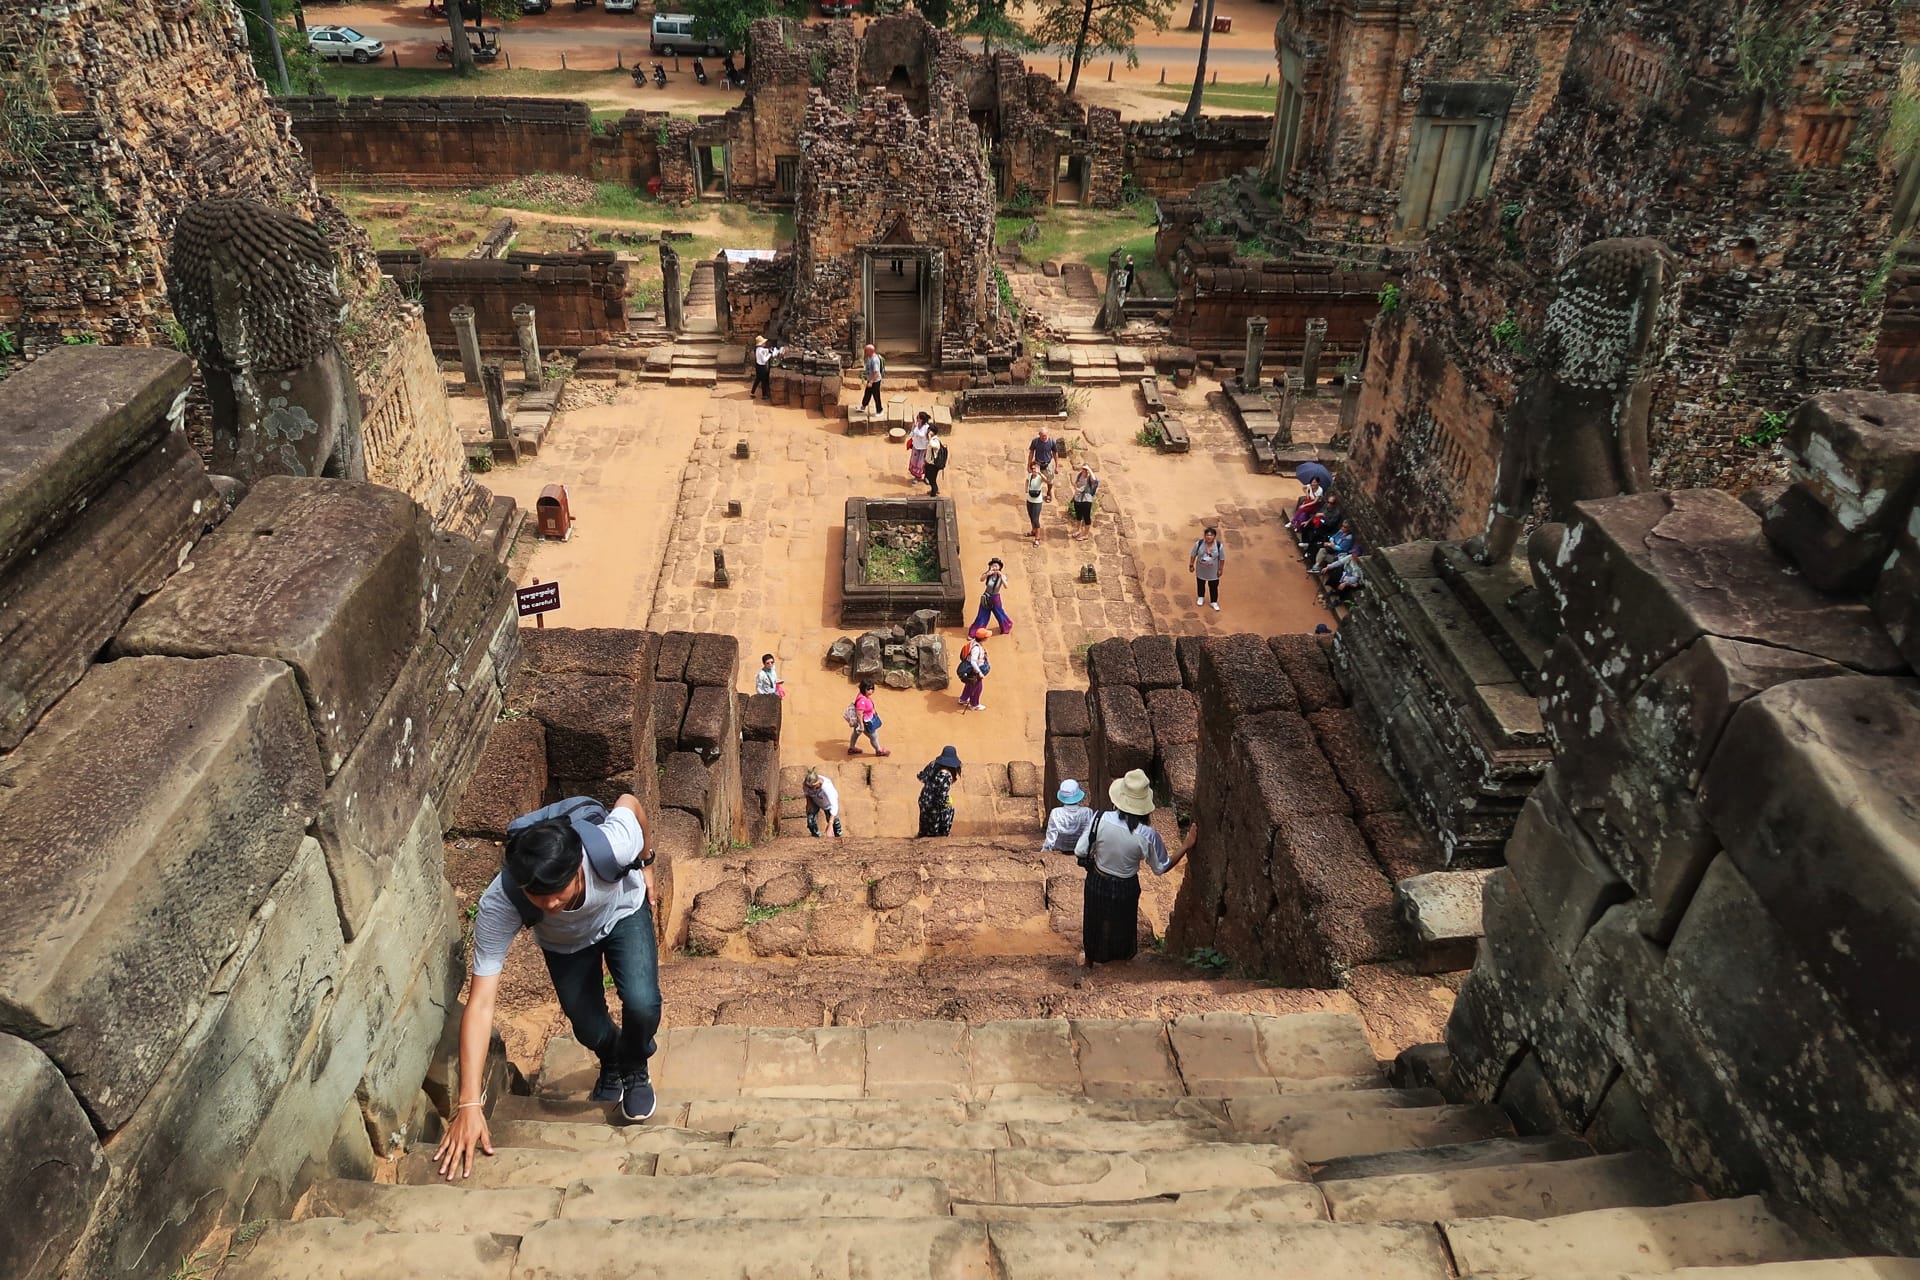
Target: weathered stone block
x,y
1240,677
1175,716
759,788
510,779
60,604
684,786
669,709
223,1080
1067,758
1355,758
1815,792
713,660
708,725
1288,774
1343,900
594,651
1110,661
1563,878
1067,715
589,720
1401,845
760,716
1896,597
328,576
1187,650
1179,769
931,669
676,838
158,789
1155,663
1784,1047
69,422
675,648
54,1172
1441,909
1856,474
1675,719
1309,669
1122,733
867,664
1640,577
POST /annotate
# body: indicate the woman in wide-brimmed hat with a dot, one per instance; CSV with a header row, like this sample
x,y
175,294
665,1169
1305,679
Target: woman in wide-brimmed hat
x,y
1117,841
936,790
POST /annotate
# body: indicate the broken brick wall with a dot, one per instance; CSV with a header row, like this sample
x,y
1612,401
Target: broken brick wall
x,y
579,299
1212,305
1706,938
1167,158
1765,180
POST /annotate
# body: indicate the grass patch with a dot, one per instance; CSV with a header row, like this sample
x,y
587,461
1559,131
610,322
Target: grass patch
x,y
760,914
345,78
1252,99
902,551
1089,235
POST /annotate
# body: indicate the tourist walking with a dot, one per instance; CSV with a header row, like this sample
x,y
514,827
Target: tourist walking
x,y
992,583
1111,850
936,793
764,354
1066,824
1036,495
1204,563
917,441
580,876
973,670
863,718
1126,278
936,461
1041,451
768,678
872,369
822,797
1086,486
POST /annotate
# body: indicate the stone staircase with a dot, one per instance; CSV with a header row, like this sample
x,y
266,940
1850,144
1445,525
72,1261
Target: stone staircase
x,y
1203,1147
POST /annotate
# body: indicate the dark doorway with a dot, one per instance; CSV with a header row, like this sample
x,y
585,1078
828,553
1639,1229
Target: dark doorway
x,y
898,302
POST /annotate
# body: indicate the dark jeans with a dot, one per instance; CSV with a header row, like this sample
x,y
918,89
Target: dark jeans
x,y
872,393
1208,587
762,381
634,962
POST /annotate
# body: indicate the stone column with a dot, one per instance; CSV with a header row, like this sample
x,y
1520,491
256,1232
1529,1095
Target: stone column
x,y
1256,348
536,377
1113,312
468,333
1310,355
672,300
721,312
1349,410
506,445
1289,402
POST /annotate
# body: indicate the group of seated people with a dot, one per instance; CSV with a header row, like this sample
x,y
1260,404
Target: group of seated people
x,y
1326,538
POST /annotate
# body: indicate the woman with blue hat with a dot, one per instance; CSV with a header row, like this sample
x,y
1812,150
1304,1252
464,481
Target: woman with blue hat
x,y
936,791
1069,822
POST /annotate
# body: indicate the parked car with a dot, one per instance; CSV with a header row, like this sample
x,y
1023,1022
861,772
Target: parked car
x,y
621,6
535,6
673,33
836,8
337,43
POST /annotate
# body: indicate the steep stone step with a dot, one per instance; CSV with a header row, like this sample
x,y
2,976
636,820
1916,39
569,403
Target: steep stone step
x,y
967,1174
1713,1233
453,1208
533,1135
1290,1202
1322,1133
1821,1269
1456,1155
1212,1250
1057,1135
790,1249
337,1249
1512,1191
526,1167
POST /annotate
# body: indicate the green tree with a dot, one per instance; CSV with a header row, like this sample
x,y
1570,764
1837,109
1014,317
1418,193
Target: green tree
x,y
303,67
1200,71
993,22
726,21
1098,28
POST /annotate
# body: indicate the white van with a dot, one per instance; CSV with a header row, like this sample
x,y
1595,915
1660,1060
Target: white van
x,y
673,33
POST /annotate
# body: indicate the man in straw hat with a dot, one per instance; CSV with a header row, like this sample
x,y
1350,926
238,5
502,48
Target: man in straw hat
x,y
764,354
1116,842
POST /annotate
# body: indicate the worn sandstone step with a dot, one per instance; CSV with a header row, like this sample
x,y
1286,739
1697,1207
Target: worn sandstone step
x,y
455,1209
1289,1202
1712,1233
1455,1155
1319,1134
603,1136
1821,1269
337,1249
778,1249
1547,1190
1214,1250
521,1167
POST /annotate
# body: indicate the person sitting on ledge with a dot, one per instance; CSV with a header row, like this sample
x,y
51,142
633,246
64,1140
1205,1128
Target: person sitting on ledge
x,y
581,878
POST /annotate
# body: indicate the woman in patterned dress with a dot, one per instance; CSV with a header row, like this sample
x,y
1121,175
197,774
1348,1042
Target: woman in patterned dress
x,y
936,790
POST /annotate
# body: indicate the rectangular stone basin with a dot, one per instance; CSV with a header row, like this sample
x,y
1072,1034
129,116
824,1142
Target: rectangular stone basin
x,y
866,603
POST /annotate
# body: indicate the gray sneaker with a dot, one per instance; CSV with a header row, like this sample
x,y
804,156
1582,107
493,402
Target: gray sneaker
x,y
639,1103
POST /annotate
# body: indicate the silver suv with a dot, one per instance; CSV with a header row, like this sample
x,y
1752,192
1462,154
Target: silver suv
x,y
337,43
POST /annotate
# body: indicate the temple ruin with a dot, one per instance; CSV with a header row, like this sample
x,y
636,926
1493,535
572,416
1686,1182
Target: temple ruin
x,y
1550,885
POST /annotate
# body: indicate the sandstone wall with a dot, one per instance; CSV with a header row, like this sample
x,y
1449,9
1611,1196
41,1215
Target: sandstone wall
x,y
1706,939
229,745
411,442
579,299
1213,303
1167,158
1768,183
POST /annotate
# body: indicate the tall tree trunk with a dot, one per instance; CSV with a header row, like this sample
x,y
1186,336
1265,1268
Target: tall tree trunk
x,y
1080,45
457,37
1200,73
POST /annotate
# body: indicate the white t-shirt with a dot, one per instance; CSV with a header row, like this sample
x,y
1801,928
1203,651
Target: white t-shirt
x,y
564,932
768,681
1065,826
1119,852
824,796
919,435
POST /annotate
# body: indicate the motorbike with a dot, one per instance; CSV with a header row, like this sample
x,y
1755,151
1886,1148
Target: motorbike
x,y
659,76
699,72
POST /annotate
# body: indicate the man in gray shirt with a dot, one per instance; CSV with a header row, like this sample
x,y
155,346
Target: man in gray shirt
x,y
583,923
